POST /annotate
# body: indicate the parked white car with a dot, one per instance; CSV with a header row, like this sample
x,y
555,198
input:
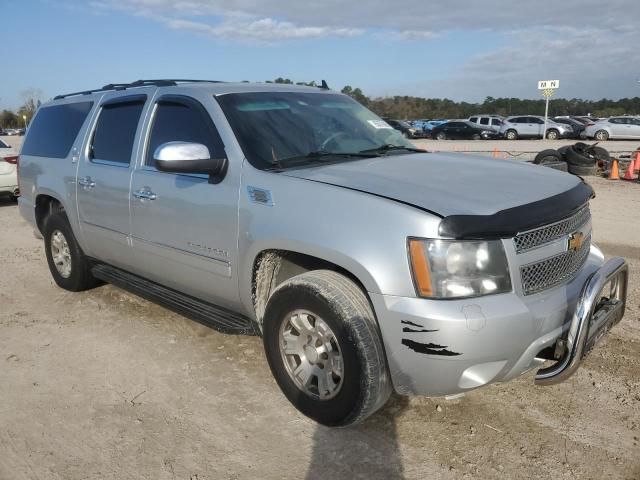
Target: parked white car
x,y
614,128
8,170
494,122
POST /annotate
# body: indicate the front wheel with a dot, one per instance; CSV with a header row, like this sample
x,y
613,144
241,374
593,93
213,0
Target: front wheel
x,y
441,136
511,135
602,135
476,137
324,348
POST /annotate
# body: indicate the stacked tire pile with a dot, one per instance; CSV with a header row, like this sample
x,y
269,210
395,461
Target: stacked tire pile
x,y
579,159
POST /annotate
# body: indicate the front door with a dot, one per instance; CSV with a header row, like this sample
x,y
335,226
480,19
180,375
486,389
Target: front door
x,y
183,228
104,173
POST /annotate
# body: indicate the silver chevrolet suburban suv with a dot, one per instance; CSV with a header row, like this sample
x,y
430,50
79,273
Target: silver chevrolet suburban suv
x,y
296,214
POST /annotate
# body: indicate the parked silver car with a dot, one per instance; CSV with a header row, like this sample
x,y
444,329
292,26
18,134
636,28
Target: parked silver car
x,y
531,126
297,214
614,128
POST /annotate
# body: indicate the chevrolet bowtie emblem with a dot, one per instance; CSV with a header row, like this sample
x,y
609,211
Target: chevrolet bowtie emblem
x,y
575,241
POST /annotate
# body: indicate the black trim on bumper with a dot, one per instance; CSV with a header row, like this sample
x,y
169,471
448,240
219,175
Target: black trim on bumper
x,y
507,223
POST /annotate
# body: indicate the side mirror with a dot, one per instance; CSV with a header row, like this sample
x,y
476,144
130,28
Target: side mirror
x,y
186,157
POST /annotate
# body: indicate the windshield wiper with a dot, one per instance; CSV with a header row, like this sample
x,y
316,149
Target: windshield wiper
x,y
389,147
317,157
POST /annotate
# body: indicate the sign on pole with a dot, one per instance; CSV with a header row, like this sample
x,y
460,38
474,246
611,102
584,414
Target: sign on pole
x,y
547,87
544,84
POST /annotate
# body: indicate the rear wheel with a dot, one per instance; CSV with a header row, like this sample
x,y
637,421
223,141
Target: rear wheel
x,y
69,266
324,348
511,135
602,135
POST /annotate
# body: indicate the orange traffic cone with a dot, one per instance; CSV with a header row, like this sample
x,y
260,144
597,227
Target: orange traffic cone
x,y
637,163
614,175
629,174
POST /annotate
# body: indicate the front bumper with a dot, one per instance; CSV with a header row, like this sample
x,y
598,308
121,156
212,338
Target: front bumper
x,y
444,347
594,316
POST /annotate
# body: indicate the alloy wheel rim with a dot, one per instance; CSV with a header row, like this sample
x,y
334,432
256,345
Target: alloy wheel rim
x,y
311,355
61,254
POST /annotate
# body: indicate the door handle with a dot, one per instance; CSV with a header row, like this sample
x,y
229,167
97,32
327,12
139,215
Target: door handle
x,y
86,183
145,194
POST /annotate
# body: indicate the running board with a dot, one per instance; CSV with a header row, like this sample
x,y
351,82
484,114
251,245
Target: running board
x,y
218,318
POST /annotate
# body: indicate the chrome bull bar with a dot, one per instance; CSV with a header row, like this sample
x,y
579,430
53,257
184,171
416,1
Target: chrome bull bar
x,y
595,314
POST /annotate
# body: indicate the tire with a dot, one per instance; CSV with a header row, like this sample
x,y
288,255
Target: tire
x,y
441,136
602,154
582,170
511,135
547,156
331,298
601,135
573,157
476,137
59,236
558,165
553,134
563,151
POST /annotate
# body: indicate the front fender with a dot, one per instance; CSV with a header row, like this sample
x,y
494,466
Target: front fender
x,y
364,234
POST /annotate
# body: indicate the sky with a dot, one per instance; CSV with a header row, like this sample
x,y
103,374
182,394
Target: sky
x,y
463,50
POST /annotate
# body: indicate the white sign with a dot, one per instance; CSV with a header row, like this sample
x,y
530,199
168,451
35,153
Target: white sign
x,y
544,84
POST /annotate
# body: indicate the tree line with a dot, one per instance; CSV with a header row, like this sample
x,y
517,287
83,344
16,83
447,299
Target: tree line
x,y
409,107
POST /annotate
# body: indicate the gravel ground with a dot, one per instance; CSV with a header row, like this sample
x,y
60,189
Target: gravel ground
x,y
104,385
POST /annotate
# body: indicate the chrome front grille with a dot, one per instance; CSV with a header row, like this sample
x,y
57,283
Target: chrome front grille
x,y
547,234
554,270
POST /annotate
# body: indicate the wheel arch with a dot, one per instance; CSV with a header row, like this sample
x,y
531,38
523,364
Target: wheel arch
x,y
270,267
45,204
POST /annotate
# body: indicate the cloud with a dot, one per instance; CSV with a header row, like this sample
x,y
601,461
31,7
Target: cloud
x,y
496,15
594,52
590,62
263,29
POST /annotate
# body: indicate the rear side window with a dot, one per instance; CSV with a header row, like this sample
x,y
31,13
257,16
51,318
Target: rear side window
x,y
54,129
116,131
484,121
183,120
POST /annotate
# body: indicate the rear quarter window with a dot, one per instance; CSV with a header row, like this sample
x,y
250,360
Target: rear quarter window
x,y
54,129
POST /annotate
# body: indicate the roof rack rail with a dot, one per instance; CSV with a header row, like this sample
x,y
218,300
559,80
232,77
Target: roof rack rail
x,y
165,82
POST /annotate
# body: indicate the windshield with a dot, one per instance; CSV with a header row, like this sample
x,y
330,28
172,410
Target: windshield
x,y
276,126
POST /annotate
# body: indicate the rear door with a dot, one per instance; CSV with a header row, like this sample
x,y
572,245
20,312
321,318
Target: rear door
x,y
184,229
104,175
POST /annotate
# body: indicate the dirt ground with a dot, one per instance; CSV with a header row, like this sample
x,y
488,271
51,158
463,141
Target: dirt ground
x,y
104,385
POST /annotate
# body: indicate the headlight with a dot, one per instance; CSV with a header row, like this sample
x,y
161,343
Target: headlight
x,y
458,268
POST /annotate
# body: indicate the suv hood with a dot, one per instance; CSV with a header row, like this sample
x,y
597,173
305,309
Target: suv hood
x,y
461,185
445,183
